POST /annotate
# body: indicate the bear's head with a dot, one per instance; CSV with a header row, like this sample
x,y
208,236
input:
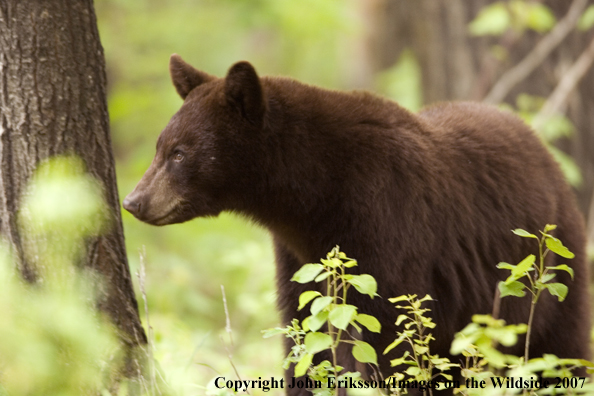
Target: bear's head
x,y
202,153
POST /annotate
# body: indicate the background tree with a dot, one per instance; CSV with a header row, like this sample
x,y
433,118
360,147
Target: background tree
x,y
53,101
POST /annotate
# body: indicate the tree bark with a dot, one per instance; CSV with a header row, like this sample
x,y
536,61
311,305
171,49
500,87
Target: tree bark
x,y
458,66
53,101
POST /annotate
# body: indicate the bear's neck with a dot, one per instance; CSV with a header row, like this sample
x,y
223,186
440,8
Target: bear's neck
x,y
330,155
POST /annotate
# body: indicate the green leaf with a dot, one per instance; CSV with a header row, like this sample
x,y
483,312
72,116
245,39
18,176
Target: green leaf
x,y
505,336
401,318
514,288
518,271
369,321
332,263
563,267
307,273
365,284
524,266
272,332
493,19
550,227
319,304
428,323
364,352
421,349
350,263
507,266
323,276
539,17
587,19
494,357
398,299
524,233
341,315
413,371
306,297
316,342
395,343
547,277
315,322
426,298
399,361
461,342
303,365
488,320
557,289
556,246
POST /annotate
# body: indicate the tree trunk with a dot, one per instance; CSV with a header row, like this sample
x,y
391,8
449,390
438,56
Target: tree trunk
x,y
458,66
53,101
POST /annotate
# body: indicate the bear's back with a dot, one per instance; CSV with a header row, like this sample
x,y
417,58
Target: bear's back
x,y
497,153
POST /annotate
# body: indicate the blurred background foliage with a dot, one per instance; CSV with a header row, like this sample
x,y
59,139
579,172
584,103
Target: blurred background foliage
x,y
325,43
54,341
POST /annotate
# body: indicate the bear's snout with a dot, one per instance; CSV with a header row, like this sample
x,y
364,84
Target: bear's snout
x,y
132,204
153,201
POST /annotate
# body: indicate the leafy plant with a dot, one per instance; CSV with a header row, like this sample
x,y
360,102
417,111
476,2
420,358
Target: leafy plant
x,y
478,341
540,281
330,321
485,365
416,326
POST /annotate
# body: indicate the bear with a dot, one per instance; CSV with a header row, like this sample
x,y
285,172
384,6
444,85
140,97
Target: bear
x,y
425,202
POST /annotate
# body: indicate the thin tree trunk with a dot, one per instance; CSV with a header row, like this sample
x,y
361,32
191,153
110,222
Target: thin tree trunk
x,y
53,101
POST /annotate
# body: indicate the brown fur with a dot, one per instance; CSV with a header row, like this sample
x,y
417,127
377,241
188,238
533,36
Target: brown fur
x,y
425,202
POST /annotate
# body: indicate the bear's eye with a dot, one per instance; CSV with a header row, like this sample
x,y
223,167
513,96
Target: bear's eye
x,y
178,157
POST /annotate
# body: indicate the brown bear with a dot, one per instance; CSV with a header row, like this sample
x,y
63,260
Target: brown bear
x,y
426,202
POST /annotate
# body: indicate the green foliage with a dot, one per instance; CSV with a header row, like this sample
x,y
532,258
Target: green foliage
x,y
587,19
557,126
329,311
498,17
421,363
477,342
542,275
491,20
402,82
61,206
481,337
52,340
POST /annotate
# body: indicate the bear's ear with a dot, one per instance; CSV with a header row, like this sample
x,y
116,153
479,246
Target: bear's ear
x,y
185,78
244,92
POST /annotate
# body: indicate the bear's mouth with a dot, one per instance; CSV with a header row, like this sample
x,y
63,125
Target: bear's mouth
x,y
183,211
164,220
172,215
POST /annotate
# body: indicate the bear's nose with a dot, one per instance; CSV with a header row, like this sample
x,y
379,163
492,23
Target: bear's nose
x,y
131,205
